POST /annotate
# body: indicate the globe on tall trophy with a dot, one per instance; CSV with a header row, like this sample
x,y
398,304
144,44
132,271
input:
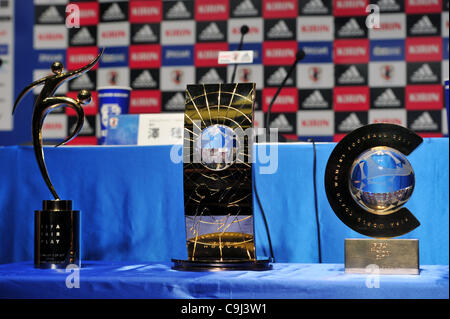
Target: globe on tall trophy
x,y
368,181
57,225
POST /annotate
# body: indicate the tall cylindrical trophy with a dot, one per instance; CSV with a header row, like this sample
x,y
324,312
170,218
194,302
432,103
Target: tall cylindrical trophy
x,y
57,225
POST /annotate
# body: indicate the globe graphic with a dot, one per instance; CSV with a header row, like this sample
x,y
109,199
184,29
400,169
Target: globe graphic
x,y
381,180
216,146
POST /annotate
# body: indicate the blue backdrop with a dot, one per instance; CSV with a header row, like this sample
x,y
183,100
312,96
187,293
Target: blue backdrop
x,y
131,200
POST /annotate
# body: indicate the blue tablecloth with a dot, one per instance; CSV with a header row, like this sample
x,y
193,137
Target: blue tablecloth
x,y
158,280
131,200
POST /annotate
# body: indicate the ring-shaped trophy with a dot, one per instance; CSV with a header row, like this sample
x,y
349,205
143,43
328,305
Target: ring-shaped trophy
x,y
57,225
368,179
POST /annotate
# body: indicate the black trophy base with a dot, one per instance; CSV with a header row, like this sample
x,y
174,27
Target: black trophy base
x,y
213,265
57,235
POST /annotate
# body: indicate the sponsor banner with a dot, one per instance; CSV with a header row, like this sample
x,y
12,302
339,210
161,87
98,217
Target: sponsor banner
x,y
145,101
248,74
144,33
311,99
387,98
419,25
211,75
88,128
275,52
392,26
206,54
421,97
350,27
424,49
422,6
255,30
444,24
315,123
114,34
39,74
258,100
114,56
280,29
178,10
144,79
173,101
444,122
317,139
176,78
160,129
351,98
178,55
258,119
54,14
176,32
338,137
43,59
389,6
391,116
279,9
287,100
78,57
50,37
424,73
87,81
345,122
286,123
89,13
90,109
315,7
212,31
211,10
445,48
245,8
255,47
350,7
55,126
425,121
445,68
351,51
387,50
115,76
84,36
315,29
145,11
317,52
83,140
383,74
145,56
115,11
311,76
350,74
274,76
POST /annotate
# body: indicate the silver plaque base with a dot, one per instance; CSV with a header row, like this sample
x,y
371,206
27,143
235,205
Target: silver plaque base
x,y
382,256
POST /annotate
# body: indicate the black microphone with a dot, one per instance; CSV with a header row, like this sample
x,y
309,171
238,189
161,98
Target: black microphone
x,y
244,31
299,56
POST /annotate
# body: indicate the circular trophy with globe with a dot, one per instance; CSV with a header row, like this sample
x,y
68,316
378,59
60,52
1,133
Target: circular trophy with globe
x,y
368,181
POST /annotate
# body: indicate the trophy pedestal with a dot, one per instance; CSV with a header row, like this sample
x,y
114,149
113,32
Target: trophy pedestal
x,y
56,235
215,265
383,256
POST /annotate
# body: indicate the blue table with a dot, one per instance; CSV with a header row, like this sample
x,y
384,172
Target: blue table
x,y
131,200
158,280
